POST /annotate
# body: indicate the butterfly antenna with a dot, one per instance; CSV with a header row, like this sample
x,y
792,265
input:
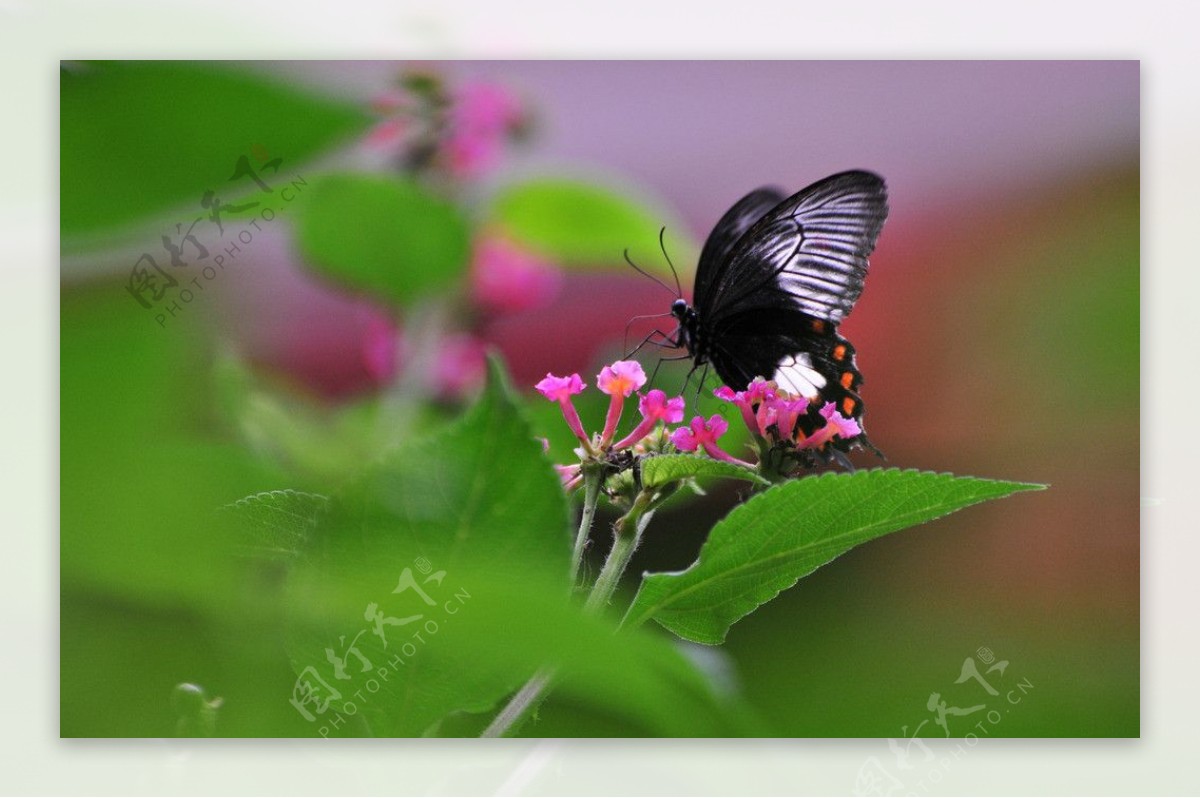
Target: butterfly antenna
x,y
645,273
662,245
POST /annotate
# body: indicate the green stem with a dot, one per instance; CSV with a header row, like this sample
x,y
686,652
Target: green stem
x,y
628,534
591,495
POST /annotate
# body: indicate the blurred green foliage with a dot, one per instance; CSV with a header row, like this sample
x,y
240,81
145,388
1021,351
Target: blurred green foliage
x,y
579,224
386,235
138,139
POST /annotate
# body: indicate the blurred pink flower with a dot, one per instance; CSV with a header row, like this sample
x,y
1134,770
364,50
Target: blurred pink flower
x,y
508,279
387,134
460,366
480,117
389,102
484,106
381,349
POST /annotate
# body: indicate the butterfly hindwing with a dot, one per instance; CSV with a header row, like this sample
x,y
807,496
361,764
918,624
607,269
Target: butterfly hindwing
x,y
802,354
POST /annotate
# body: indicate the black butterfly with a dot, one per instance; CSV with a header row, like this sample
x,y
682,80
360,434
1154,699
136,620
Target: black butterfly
x,y
776,277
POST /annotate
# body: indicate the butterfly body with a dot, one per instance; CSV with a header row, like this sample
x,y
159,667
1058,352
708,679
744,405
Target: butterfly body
x,y
776,277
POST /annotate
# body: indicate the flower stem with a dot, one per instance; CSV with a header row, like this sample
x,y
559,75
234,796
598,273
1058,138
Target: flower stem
x,y
628,533
591,495
521,704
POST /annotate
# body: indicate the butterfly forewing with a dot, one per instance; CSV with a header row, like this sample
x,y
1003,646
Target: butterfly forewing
x,y
808,253
726,234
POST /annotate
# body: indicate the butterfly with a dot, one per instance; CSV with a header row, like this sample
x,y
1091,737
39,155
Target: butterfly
x,y
775,279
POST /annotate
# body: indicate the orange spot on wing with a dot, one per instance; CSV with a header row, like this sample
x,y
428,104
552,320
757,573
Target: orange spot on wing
x,y
848,380
848,406
818,326
839,351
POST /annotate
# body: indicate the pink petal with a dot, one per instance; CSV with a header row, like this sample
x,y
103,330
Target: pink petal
x,y
559,389
623,377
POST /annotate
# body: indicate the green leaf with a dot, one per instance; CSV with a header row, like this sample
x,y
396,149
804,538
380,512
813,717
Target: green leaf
x,y
773,540
466,501
278,522
667,468
385,235
582,225
142,139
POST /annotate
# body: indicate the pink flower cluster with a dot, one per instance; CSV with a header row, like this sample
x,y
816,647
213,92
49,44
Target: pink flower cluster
x,y
770,414
620,381
464,129
481,116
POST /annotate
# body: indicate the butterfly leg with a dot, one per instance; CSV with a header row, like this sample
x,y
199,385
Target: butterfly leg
x,y
668,343
658,365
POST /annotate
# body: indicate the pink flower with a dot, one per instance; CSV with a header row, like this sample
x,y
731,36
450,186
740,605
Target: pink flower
x,y
389,102
835,425
561,389
481,116
381,349
623,377
485,107
751,402
785,411
704,434
387,133
654,407
569,474
468,154
508,279
618,381
460,366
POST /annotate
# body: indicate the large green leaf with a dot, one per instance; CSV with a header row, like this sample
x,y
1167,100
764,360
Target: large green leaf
x,y
386,235
773,540
585,225
141,139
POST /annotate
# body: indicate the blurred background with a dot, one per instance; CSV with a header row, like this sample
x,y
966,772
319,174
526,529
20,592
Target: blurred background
x,y
441,209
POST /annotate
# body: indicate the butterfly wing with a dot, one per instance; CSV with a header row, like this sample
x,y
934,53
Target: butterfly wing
x,y
728,231
771,307
808,253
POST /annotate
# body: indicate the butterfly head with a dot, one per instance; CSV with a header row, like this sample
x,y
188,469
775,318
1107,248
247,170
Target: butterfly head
x,y
679,309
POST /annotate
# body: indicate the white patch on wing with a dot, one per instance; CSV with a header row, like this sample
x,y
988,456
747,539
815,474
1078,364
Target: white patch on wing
x,y
797,375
